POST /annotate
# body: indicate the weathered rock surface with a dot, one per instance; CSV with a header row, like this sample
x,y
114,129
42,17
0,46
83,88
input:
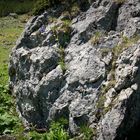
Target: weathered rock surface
x,y
84,82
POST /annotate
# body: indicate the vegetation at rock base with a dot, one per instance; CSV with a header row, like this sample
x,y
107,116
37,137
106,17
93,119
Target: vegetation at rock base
x,y
10,29
87,132
56,132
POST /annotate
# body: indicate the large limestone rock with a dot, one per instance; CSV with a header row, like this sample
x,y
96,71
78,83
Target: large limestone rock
x,y
76,82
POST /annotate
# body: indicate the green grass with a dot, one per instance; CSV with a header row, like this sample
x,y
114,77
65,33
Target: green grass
x,y
15,6
10,29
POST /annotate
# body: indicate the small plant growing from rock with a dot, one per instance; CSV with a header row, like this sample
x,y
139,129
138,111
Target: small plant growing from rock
x,y
62,59
52,19
75,10
96,38
62,32
87,132
56,132
62,37
125,43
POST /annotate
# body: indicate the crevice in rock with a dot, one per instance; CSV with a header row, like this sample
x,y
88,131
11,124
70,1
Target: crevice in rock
x,y
109,22
130,126
85,3
81,120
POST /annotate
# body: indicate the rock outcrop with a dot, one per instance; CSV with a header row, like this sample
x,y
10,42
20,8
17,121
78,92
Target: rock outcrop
x,y
86,70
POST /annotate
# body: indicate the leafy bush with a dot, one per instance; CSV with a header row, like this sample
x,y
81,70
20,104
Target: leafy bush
x,y
87,132
42,5
10,29
8,117
15,6
56,132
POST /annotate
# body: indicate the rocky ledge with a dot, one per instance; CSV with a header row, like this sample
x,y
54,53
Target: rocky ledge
x,y
83,67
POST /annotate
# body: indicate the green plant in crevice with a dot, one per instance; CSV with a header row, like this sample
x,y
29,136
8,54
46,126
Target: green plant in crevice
x,y
63,121
62,32
57,132
95,38
87,132
33,135
62,59
10,29
75,10
62,37
125,43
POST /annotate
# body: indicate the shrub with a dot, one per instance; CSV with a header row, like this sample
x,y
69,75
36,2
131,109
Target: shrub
x,y
42,5
15,6
56,132
87,132
8,119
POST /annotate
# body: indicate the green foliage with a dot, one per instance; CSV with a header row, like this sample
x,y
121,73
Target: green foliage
x,y
62,59
15,6
10,29
95,38
101,100
62,32
56,132
87,132
40,6
36,136
125,43
62,37
75,10
8,117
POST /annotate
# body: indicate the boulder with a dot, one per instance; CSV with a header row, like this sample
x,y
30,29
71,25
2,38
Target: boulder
x,y
89,79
